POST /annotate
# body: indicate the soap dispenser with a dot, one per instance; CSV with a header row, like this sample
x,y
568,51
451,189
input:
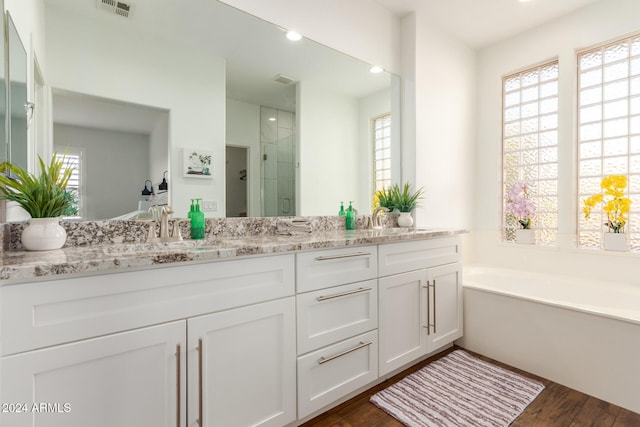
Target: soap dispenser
x,y
197,222
341,212
192,209
350,218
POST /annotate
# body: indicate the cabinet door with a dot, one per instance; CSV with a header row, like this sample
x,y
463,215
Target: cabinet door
x,y
402,319
242,366
130,379
445,308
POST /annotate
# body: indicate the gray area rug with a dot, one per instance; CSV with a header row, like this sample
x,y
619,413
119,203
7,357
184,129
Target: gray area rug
x,y
458,390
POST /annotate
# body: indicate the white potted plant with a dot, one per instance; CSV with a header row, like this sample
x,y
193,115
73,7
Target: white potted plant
x,y
401,199
616,206
44,197
521,208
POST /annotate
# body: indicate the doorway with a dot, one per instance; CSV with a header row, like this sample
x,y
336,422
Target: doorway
x,y
236,181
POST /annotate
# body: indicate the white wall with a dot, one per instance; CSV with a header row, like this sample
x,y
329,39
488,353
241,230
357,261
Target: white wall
x,y
158,153
243,130
93,58
594,24
321,188
444,125
116,166
360,28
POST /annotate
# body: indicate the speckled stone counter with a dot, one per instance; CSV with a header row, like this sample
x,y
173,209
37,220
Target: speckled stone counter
x,y
120,254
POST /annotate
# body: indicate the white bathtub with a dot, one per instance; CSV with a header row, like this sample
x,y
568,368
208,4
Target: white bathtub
x,y
579,333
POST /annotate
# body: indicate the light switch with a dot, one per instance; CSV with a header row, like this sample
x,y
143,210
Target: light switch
x,y
209,206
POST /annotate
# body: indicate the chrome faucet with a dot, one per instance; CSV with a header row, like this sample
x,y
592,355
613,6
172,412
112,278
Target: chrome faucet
x,y
375,219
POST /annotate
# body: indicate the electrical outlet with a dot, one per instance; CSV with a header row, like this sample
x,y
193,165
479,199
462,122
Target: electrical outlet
x,y
209,206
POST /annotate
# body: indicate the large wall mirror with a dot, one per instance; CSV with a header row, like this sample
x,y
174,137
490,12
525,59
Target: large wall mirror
x,y
16,91
288,124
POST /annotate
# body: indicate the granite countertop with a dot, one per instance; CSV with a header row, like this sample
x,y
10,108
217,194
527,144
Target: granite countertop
x,y
20,266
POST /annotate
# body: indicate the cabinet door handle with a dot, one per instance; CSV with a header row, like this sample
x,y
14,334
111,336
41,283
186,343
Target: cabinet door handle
x,y
342,353
435,317
428,310
342,294
329,257
200,420
178,392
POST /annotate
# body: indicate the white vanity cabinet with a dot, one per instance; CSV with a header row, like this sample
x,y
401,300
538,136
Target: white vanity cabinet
x,y
242,366
130,379
420,302
114,348
337,320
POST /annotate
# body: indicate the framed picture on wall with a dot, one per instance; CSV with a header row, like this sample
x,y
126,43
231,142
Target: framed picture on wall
x,y
197,163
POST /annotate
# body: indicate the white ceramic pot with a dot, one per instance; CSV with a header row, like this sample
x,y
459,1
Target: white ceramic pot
x,y
525,236
615,242
405,220
43,234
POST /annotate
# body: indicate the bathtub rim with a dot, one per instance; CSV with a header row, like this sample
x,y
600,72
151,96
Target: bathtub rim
x,y
468,282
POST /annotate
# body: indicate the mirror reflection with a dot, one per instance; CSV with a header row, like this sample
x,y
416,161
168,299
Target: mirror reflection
x,y
17,93
289,124
4,138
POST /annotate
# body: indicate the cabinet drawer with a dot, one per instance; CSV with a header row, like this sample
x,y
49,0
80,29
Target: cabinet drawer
x,y
330,315
334,371
397,258
320,269
47,313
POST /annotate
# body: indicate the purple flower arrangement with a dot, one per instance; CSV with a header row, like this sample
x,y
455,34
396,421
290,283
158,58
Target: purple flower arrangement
x,y
519,205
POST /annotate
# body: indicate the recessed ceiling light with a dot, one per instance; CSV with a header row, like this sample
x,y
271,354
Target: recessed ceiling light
x,y
376,69
272,119
293,36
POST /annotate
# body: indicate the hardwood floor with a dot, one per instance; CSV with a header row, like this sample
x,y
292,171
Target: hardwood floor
x,y
555,406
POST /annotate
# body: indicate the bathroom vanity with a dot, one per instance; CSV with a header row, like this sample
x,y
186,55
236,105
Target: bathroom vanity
x,y
266,330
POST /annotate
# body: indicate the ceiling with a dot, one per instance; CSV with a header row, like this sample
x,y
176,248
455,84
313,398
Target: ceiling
x,y
479,23
255,50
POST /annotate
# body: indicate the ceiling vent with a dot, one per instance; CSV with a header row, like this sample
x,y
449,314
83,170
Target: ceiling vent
x,y
114,6
285,80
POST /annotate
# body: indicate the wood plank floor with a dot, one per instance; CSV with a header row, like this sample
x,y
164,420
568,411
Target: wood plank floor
x,y
555,406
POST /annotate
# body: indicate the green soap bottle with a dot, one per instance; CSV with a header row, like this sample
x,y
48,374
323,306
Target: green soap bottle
x,y
341,212
192,209
197,222
350,218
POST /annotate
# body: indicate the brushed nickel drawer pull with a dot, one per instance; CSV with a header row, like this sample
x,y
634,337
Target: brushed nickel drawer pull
x,y
335,356
329,257
428,310
434,307
178,392
342,294
200,420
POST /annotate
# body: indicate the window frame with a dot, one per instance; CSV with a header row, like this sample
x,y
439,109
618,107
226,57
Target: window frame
x,y
507,234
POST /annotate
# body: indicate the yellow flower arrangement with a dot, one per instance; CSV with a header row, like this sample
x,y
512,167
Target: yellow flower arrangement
x,y
617,206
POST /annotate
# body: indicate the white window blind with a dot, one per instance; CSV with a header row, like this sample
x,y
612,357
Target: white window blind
x,y
73,161
609,131
530,146
382,152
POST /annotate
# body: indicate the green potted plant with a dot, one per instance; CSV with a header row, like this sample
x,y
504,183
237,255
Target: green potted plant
x,y
44,197
399,198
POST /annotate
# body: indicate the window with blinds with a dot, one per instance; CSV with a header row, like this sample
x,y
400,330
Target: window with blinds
x,y
609,132
530,147
73,161
382,152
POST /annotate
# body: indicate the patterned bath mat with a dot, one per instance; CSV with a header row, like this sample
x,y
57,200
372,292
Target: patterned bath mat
x,y
458,390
